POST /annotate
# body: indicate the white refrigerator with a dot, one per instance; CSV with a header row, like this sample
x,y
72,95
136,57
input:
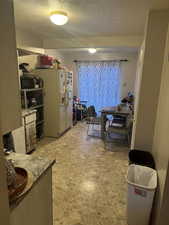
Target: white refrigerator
x,y
58,95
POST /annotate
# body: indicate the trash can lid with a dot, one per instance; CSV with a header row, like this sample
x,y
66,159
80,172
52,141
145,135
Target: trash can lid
x,y
140,157
142,176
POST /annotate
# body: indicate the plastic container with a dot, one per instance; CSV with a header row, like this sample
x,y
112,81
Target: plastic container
x,y
46,61
140,157
142,183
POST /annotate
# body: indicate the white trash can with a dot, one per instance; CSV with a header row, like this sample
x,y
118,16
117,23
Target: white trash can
x,y
142,183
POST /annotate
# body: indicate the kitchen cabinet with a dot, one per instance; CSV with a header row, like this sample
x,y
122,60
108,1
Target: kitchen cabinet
x,y
36,207
10,110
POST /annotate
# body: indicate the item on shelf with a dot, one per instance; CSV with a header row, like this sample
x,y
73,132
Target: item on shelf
x,y
56,63
39,82
60,67
23,66
129,100
29,81
46,61
33,101
32,98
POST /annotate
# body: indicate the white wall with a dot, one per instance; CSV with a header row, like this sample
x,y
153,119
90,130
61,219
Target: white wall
x,y
128,68
128,76
151,122
151,70
160,148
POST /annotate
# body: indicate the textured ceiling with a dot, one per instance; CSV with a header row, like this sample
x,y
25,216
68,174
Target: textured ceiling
x,y
87,17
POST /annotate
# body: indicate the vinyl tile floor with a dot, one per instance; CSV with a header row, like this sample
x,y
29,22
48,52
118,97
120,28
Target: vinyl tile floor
x,y
89,185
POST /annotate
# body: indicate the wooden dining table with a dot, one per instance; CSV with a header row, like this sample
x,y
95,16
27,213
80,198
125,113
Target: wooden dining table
x,y
114,111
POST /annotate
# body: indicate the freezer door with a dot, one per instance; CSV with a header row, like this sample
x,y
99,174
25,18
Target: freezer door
x,y
62,119
62,86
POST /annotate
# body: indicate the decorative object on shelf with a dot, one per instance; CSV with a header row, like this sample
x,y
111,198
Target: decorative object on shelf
x,y
33,102
23,66
59,17
56,63
129,100
45,62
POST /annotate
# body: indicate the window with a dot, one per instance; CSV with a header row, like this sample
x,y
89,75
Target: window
x,y
99,83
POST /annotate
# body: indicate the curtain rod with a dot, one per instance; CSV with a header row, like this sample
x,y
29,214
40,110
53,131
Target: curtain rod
x,y
115,60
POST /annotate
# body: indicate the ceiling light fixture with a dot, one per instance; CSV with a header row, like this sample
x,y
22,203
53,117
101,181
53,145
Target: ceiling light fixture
x,y
59,17
92,50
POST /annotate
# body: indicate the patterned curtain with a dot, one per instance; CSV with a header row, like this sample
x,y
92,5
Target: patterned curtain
x,y
99,83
